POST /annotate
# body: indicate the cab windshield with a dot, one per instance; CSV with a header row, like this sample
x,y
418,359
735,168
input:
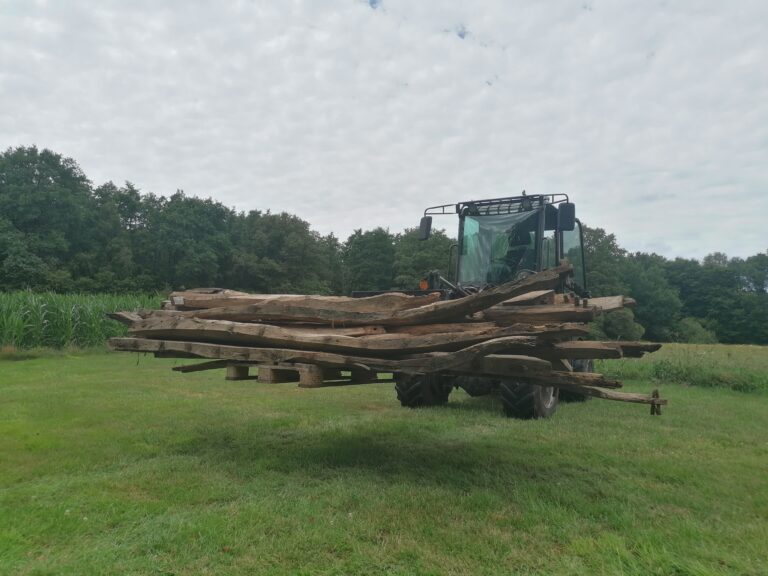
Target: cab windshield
x,y
494,249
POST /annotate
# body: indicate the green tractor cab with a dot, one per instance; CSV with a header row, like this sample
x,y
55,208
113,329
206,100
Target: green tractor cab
x,y
503,239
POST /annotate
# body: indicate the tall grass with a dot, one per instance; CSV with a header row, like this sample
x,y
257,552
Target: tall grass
x,y
33,320
741,368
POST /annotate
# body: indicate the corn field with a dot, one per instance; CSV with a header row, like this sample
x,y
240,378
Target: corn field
x,y
31,320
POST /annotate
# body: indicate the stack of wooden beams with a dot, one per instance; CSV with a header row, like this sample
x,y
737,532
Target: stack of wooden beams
x,y
521,329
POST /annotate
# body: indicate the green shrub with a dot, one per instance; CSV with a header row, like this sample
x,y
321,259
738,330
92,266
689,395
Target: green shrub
x,y
690,330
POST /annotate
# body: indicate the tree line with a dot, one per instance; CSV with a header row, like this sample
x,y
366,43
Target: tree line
x,y
60,232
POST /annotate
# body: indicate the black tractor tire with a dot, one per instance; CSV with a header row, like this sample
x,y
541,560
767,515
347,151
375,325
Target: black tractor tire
x,y
578,366
526,401
417,390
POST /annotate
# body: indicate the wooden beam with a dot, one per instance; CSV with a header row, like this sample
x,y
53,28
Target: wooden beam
x,y
609,303
195,300
530,298
126,318
599,392
247,334
504,315
248,354
349,313
418,363
237,372
201,366
563,379
444,328
586,350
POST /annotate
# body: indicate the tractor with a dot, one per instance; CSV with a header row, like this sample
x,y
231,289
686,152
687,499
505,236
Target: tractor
x,y
501,240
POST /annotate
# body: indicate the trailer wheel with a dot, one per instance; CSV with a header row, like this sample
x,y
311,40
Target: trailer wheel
x,y
415,390
523,400
578,366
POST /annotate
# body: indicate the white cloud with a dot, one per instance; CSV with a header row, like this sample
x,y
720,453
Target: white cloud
x,y
652,116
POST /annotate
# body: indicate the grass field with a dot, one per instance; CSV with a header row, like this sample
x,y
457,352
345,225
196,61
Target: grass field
x,y
109,465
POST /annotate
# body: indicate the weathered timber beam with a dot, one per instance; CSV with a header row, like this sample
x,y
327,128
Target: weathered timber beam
x,y
444,328
589,349
535,297
349,331
609,303
171,354
200,367
247,334
297,310
564,379
420,363
541,314
228,298
127,318
248,354
599,392
586,350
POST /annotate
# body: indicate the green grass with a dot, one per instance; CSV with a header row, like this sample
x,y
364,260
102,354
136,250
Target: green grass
x,y
113,464
30,319
742,368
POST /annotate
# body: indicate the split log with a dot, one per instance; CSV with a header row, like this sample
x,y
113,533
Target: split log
x,y
240,333
609,303
321,329
229,298
246,354
504,315
543,332
202,366
594,350
422,329
417,363
348,312
599,392
585,350
127,318
531,298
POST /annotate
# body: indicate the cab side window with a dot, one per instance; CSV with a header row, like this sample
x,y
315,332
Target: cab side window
x,y
572,250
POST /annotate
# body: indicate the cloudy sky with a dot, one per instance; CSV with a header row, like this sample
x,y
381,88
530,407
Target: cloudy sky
x,y
652,115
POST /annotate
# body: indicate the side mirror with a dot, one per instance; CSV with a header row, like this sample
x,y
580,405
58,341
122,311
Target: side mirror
x,y
425,227
566,216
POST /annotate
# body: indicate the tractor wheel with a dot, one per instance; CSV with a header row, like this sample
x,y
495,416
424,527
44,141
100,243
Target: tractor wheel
x,y
523,400
415,390
578,366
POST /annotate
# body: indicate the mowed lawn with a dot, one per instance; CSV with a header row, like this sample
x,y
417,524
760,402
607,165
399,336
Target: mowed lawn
x,y
112,464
